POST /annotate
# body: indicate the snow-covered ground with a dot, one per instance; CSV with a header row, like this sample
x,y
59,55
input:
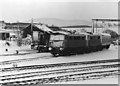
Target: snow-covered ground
x,y
12,48
112,80
47,58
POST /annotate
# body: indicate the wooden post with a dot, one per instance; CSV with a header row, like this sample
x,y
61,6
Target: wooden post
x,y
32,28
96,26
92,26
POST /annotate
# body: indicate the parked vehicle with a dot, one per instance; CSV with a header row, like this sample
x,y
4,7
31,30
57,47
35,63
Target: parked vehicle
x,y
40,41
78,43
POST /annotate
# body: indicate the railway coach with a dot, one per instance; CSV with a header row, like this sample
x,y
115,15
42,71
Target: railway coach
x,y
78,43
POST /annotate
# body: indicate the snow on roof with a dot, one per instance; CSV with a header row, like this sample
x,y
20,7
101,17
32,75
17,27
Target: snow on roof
x,y
105,34
61,32
47,29
44,28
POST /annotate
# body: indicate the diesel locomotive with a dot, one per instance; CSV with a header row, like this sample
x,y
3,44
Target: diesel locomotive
x,y
68,44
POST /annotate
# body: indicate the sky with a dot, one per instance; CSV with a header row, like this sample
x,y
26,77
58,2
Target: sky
x,y
23,10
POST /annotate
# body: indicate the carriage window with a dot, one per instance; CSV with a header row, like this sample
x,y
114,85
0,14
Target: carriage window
x,y
75,38
90,37
83,38
66,37
98,37
70,38
78,38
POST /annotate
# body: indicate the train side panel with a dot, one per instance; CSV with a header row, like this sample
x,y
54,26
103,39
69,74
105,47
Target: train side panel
x,y
75,41
94,40
81,43
106,39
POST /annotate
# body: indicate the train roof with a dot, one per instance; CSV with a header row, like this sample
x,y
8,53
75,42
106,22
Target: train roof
x,y
94,34
81,34
105,34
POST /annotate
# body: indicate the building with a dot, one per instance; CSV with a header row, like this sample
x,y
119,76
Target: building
x,y
38,33
4,34
2,24
16,26
11,30
41,33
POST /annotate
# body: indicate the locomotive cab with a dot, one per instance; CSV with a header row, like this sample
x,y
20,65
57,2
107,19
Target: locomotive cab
x,y
56,44
67,44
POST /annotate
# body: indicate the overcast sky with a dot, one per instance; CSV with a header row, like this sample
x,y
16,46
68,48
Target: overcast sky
x,y
23,10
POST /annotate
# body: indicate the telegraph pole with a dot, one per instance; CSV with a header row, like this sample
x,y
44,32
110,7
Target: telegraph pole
x,y
32,28
92,26
19,39
96,27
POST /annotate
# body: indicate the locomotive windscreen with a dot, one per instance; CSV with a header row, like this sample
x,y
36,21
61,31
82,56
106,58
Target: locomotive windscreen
x,y
56,40
57,37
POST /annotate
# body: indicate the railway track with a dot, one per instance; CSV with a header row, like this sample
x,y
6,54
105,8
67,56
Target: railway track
x,y
53,73
69,70
20,60
61,78
34,67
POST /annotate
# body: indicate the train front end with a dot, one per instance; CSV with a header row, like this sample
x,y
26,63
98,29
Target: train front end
x,y
56,45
